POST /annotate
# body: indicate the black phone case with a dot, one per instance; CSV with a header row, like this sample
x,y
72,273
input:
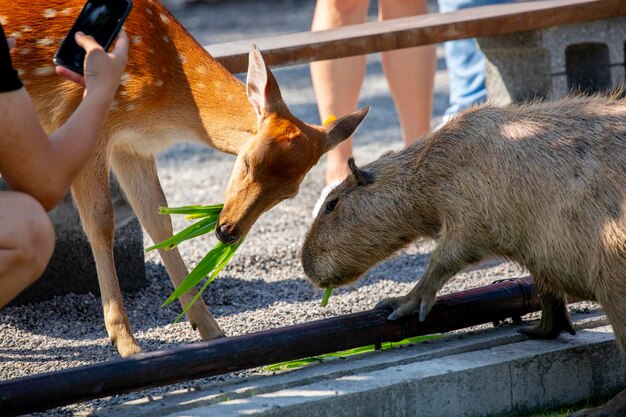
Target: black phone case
x,y
57,56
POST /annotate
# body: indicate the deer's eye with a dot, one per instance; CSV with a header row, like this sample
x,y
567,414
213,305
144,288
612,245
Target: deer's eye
x,y
330,206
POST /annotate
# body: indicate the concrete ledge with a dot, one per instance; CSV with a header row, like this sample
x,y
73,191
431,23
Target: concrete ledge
x,y
488,372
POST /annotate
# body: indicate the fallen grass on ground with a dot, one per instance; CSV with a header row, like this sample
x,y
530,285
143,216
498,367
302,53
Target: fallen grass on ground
x,y
299,363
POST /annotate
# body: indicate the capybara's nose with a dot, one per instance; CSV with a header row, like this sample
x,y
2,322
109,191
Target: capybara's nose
x,y
227,234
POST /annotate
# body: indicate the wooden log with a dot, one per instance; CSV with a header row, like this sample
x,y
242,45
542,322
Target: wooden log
x,y
366,38
509,298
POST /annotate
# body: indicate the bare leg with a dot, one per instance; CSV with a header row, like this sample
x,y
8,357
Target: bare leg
x,y
93,200
139,179
26,243
554,319
410,73
337,82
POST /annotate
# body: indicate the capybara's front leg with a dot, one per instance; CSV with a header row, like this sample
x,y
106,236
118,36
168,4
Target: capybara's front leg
x,y
447,260
554,319
616,407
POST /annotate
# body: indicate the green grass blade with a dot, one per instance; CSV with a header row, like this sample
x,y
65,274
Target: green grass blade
x,y
224,259
216,208
326,296
206,265
185,234
202,215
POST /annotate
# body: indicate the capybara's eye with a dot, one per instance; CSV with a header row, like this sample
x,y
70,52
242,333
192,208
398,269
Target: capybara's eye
x,y
331,205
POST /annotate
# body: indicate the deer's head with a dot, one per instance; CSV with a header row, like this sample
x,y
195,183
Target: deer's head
x,y
272,164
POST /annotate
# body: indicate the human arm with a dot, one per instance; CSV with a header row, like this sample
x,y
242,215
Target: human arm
x,y
43,166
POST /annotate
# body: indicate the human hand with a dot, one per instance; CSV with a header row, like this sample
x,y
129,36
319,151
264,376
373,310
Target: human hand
x,y
102,70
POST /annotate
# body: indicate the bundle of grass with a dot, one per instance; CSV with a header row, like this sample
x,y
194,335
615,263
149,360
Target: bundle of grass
x,y
212,263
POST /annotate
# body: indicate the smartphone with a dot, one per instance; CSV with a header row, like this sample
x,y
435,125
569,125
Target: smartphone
x,y
101,19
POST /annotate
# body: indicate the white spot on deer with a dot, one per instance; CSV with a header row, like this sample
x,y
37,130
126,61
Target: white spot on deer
x,y
125,79
136,39
49,13
158,83
164,18
123,93
25,51
45,42
41,71
114,105
131,107
15,35
27,29
201,70
67,11
200,86
149,11
3,20
166,38
150,50
182,59
21,72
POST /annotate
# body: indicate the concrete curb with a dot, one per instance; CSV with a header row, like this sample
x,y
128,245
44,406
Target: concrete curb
x,y
488,372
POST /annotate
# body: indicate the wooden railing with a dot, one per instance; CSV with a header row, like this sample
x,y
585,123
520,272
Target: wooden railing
x,y
303,47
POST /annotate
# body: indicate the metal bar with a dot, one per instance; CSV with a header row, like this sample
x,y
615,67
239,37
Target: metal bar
x,y
453,311
366,38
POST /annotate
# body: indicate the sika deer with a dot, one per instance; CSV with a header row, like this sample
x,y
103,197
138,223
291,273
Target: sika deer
x,y
172,91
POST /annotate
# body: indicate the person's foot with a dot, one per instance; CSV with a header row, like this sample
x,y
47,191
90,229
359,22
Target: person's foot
x,y
323,194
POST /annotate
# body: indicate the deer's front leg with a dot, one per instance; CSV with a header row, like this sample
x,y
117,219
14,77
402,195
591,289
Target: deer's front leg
x,y
447,259
93,200
139,179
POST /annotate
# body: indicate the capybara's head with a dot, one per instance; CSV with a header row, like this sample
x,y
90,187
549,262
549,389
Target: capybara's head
x,y
362,221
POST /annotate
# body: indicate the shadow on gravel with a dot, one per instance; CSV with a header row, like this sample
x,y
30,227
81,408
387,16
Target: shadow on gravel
x,y
63,353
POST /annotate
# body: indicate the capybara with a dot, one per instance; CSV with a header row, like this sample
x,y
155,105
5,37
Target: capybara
x,y
542,184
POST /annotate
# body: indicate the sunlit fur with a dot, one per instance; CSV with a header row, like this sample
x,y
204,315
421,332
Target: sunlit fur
x,y
542,184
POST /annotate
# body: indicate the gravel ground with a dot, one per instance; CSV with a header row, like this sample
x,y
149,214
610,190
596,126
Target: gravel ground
x,y
264,286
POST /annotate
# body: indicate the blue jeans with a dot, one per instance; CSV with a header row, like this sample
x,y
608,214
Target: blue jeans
x,y
465,63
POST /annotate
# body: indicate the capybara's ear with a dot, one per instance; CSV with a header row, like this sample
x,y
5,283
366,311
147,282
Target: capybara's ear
x,y
362,177
341,129
261,86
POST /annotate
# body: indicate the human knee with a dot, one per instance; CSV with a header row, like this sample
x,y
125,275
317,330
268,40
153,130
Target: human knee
x,y
347,8
36,242
393,9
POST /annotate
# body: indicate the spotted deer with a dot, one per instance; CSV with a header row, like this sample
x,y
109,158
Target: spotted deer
x,y
172,91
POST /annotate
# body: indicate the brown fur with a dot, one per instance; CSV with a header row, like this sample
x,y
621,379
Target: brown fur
x,y
172,91
542,184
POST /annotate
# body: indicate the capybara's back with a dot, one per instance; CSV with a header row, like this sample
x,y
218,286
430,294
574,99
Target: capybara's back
x,y
542,184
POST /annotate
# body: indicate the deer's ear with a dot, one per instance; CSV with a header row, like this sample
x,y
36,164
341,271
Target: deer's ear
x,y
261,87
341,129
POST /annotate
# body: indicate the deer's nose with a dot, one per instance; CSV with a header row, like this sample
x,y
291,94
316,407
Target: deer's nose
x,y
227,234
